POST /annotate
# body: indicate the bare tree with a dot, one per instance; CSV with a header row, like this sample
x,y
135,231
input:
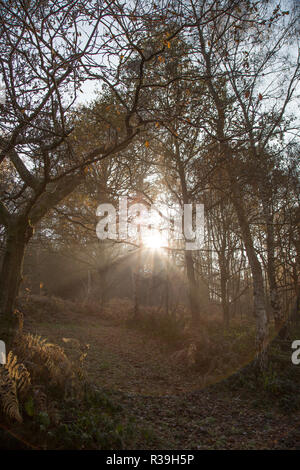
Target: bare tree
x,y
235,55
47,50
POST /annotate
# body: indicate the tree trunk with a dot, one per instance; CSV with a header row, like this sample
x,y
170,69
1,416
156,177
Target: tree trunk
x,y
224,297
137,284
167,285
273,288
17,237
192,288
226,150
260,313
223,265
18,231
135,288
193,293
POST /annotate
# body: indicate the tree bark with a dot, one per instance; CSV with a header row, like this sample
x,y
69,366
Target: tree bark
x,y
260,313
224,294
19,232
192,288
226,150
271,271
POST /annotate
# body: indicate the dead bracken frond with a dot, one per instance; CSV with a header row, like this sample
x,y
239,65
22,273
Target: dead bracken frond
x,y
14,383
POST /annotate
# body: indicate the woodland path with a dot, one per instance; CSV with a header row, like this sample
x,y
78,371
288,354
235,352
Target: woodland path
x,y
168,398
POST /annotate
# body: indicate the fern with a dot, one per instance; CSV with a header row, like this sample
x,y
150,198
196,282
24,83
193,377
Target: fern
x,y
8,395
47,360
18,373
47,363
14,381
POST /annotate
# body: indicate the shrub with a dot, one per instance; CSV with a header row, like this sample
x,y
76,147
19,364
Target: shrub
x,y
34,367
170,327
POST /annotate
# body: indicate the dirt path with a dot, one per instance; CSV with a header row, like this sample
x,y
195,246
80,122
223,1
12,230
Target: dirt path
x,y
210,420
168,398
123,359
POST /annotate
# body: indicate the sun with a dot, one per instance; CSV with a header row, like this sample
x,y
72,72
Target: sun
x,y
154,240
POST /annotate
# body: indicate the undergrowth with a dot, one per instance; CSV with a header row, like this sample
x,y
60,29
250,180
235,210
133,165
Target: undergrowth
x,y
168,326
96,423
278,384
46,396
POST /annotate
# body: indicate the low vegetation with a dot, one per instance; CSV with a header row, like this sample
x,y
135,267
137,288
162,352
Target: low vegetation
x,y
53,397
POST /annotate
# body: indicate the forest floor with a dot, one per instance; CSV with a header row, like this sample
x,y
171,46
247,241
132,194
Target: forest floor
x,y
167,399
